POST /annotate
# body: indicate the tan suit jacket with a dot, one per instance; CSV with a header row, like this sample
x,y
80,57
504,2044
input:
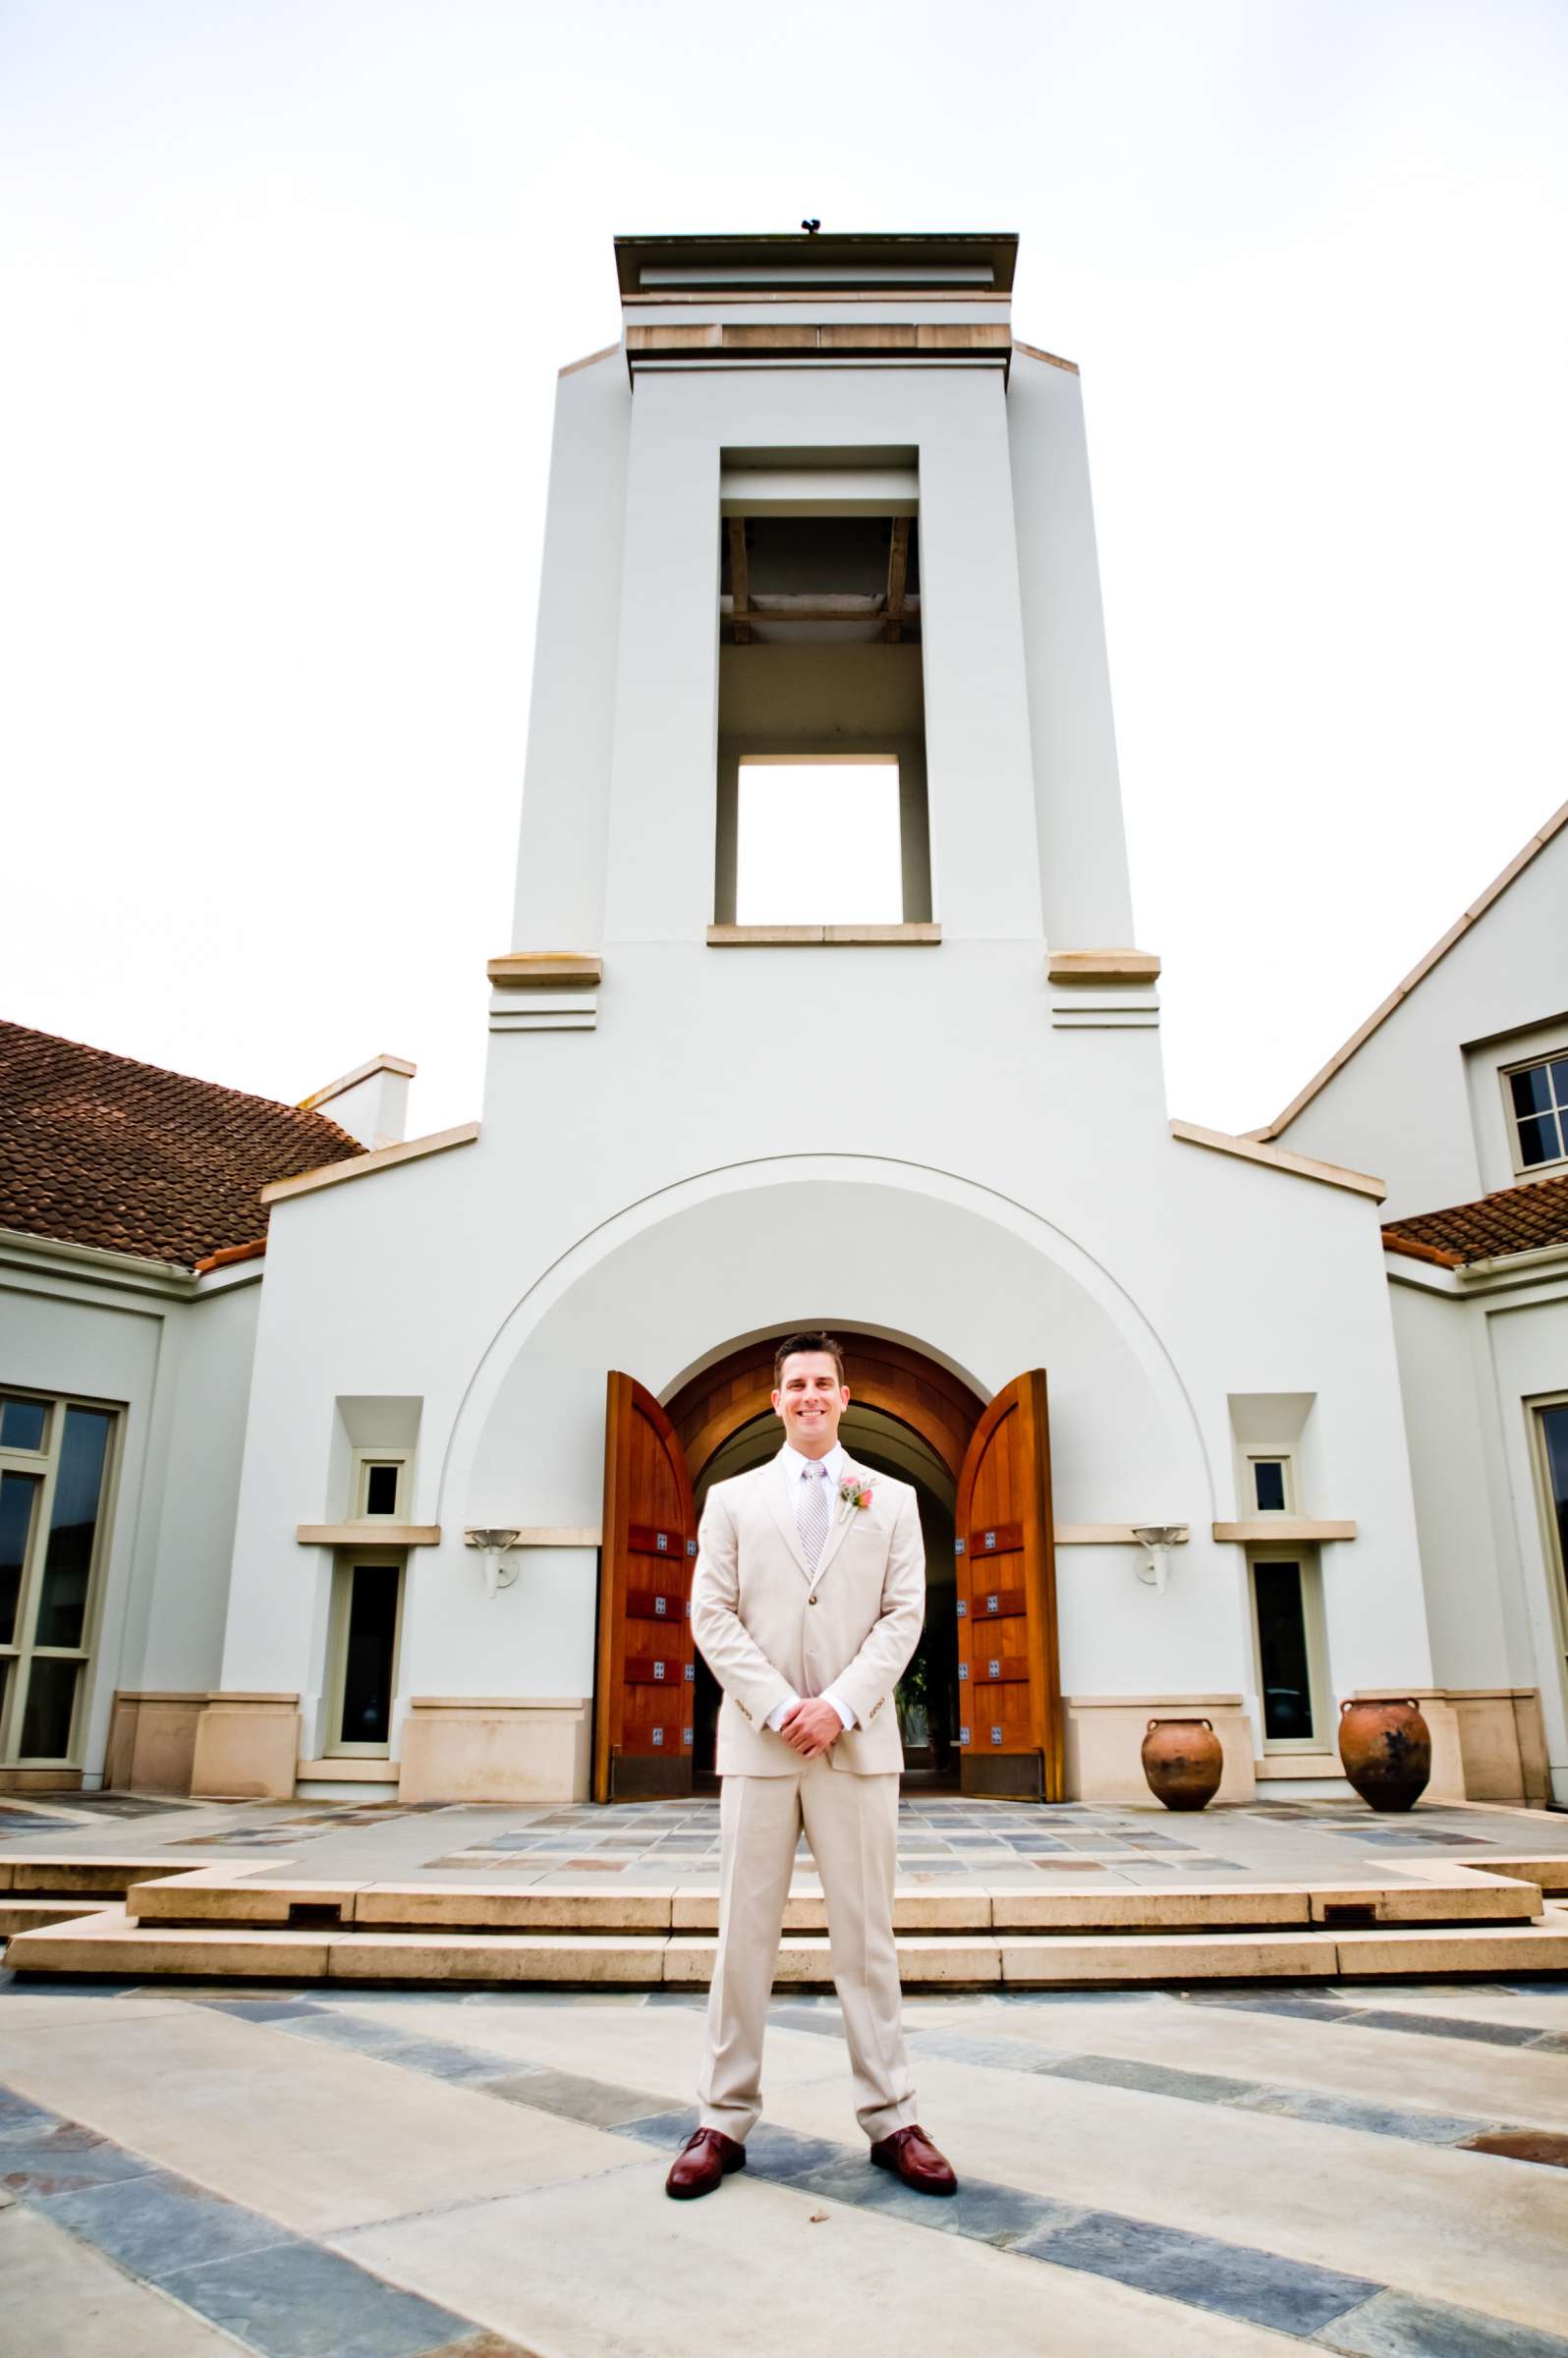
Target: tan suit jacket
x,y
765,1638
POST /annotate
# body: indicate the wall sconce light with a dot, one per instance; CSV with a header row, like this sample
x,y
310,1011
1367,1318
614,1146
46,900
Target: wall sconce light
x,y
1156,1539
493,1545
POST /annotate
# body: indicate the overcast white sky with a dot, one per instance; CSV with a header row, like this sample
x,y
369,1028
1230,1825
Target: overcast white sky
x,y
285,290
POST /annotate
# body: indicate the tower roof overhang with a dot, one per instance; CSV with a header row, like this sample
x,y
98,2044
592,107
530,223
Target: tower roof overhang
x,y
975,264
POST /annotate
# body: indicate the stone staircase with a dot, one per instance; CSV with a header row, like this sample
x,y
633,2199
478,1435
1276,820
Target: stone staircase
x,y
131,1918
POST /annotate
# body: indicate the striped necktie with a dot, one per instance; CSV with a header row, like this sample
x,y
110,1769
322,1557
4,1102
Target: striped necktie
x,y
811,1513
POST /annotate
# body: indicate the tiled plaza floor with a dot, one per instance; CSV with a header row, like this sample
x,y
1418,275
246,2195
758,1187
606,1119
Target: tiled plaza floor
x,y
1193,2174
940,1839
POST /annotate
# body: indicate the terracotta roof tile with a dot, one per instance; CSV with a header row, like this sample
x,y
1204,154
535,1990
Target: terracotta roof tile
x,y
99,1150
1517,1219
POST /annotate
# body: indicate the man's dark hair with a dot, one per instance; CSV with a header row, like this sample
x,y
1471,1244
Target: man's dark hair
x,y
806,1342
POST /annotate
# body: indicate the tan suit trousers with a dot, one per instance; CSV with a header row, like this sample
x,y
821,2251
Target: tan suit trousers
x,y
851,1824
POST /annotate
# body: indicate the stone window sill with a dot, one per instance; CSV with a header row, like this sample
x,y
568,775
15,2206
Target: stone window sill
x,y
803,937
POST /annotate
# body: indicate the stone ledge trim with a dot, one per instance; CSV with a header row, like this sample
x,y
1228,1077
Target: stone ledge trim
x,y
544,967
1261,1531
1280,1158
360,1166
1101,966
369,1534
499,1703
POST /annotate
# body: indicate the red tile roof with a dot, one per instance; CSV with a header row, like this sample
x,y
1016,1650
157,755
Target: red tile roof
x,y
99,1150
1517,1219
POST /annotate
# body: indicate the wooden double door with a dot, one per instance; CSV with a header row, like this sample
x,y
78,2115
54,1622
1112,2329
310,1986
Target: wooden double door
x,y
1010,1722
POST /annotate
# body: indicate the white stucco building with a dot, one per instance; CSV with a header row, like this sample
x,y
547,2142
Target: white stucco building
x,y
1456,1091
818,525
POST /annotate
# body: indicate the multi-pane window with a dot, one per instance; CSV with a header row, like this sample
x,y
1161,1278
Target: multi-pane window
x,y
1538,1098
1553,1428
55,1460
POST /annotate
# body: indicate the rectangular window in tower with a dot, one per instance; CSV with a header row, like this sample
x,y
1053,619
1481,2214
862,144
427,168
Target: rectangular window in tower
x,y
821,812
818,841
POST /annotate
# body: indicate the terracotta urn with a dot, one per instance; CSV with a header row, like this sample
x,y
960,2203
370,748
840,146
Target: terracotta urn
x,y
1386,1751
1184,1762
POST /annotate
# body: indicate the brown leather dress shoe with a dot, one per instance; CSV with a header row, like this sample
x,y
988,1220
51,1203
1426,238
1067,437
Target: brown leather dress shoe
x,y
911,2156
706,2157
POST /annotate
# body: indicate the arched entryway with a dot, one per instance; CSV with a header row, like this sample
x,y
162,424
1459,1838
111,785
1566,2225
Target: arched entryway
x,y
985,1682
909,1417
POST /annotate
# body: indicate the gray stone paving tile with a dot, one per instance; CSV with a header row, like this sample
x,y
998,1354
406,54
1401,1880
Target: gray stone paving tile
x,y
159,2223
1448,2026
1230,2278
667,2130
264,2009
571,2097
1347,2113
63,2160
1396,2325
826,2021
297,2301
978,2211
1149,2079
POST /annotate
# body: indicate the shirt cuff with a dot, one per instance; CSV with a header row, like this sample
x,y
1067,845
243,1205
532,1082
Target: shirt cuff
x,y
776,1715
839,1706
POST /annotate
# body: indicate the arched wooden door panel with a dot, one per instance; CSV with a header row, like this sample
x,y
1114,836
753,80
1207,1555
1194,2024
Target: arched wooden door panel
x,y
644,1687
1010,1733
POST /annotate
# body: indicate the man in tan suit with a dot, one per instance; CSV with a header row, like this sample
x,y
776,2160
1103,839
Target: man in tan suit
x,y
806,1602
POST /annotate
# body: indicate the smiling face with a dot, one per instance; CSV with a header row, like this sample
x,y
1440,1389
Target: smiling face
x,y
810,1400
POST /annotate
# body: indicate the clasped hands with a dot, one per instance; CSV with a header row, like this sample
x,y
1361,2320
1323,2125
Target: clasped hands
x,y
809,1726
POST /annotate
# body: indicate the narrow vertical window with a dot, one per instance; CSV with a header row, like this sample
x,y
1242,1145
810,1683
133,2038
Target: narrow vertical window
x,y
362,1678
1291,1676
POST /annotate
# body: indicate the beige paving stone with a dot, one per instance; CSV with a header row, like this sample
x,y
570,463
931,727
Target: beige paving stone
x,y
1438,1897
753,2257
586,1907
114,1942
314,2136
52,2010
1451,2226
437,1955
76,2304
1148,1957
1527,2089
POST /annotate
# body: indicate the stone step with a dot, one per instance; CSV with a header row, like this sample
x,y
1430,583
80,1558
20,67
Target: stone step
x,y
215,1895
23,1915
64,1875
114,1942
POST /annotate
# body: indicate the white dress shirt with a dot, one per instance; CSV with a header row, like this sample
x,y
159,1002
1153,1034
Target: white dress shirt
x,y
794,1468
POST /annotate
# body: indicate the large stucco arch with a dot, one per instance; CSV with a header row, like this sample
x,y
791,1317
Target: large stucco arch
x,y
892,1248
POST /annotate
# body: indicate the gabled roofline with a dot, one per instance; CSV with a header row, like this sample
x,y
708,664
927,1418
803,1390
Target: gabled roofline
x,y
1417,973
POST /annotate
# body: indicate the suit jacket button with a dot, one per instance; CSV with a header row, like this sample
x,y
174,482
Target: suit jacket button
x,y
810,1599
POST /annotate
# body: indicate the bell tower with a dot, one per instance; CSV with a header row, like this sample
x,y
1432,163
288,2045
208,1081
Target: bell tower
x,y
818,531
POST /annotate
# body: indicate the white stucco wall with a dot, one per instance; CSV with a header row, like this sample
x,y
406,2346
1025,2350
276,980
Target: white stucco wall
x,y
1410,1105
1473,1369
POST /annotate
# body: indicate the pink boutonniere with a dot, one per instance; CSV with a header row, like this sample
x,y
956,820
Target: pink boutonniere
x,y
855,1491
